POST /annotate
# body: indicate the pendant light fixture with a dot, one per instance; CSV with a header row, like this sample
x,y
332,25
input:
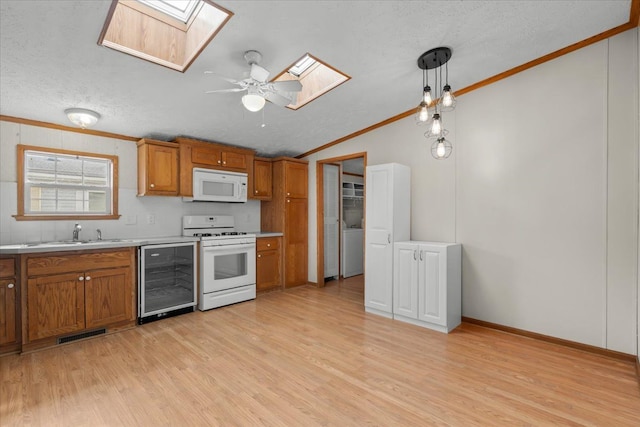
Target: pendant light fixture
x,y
436,102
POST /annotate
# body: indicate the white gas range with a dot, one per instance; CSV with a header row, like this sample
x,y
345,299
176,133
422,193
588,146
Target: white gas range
x,y
227,260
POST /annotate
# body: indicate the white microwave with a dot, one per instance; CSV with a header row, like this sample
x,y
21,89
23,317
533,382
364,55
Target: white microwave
x,y
218,186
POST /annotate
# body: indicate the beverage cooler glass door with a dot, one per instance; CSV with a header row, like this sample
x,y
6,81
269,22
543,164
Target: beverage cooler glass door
x,y
167,278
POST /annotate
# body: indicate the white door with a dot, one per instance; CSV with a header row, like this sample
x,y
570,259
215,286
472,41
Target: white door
x,y
432,289
405,281
330,184
378,288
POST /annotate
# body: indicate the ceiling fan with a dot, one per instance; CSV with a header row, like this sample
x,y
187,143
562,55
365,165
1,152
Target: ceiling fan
x,y
258,88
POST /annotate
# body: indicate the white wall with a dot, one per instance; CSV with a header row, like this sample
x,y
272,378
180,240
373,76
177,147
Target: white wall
x,y
541,190
168,211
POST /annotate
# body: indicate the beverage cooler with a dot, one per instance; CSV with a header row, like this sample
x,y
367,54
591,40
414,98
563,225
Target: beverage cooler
x,y
167,280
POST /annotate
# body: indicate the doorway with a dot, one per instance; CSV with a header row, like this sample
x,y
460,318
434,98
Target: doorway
x,y
350,215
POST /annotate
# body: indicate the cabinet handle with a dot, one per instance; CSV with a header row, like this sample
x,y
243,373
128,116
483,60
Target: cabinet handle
x,y
256,191
259,256
415,255
10,286
87,278
224,163
389,238
288,194
81,278
152,185
219,162
268,245
288,201
421,255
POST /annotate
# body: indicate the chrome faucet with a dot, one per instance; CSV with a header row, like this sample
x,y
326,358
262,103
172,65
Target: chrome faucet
x,y
76,231
99,234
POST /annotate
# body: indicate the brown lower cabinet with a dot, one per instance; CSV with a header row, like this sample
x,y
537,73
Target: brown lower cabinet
x,y
9,306
68,293
268,263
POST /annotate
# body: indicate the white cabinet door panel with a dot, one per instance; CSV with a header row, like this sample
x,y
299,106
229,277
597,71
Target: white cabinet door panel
x,y
405,291
432,290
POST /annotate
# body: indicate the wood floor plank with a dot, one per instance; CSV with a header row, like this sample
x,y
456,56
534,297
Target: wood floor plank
x,y
308,357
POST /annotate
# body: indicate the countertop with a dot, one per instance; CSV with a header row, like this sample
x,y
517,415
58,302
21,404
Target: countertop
x,y
266,234
26,248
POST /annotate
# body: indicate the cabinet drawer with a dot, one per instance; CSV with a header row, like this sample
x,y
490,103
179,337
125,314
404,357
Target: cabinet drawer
x,y
59,263
267,243
7,267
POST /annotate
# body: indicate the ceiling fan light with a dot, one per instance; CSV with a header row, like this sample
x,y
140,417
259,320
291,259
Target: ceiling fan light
x,y
82,117
253,102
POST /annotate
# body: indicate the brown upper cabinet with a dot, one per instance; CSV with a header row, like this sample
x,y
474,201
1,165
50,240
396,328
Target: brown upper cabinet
x,y
262,179
157,168
295,179
209,155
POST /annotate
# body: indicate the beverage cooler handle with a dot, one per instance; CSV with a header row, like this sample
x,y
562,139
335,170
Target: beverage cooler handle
x,y
156,254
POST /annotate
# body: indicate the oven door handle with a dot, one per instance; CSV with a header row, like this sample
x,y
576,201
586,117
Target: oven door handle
x,y
229,248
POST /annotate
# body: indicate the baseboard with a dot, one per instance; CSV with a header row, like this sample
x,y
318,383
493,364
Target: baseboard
x,y
576,345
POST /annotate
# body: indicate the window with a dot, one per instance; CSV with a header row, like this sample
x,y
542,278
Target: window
x,y
61,184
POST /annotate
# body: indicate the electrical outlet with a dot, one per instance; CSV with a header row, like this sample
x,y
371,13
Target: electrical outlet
x,y
151,218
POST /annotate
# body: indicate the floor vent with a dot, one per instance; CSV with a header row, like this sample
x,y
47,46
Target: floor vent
x,y
81,336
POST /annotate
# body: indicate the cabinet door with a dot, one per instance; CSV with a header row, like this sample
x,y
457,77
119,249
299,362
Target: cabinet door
x,y
56,305
8,308
262,179
295,179
268,270
204,155
405,281
162,170
431,287
108,297
295,242
234,160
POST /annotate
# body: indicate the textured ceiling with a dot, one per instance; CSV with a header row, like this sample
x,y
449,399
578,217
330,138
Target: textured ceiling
x,y
50,61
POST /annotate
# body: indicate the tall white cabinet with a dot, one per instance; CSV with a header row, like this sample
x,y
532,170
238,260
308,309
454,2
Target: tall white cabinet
x,y
427,284
387,218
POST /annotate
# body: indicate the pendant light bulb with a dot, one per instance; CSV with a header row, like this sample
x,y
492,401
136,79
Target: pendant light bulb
x,y
426,95
436,126
441,149
423,112
448,101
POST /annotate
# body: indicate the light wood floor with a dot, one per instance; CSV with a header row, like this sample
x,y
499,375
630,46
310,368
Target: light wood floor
x,y
309,357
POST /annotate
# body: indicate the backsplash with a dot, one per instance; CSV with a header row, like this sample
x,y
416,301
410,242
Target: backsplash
x,y
149,216
140,217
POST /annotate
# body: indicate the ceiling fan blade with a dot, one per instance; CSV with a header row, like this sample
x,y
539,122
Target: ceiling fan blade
x,y
235,89
258,73
277,99
286,86
223,77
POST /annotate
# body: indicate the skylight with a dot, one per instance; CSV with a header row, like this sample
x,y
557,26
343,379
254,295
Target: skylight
x,y
171,33
178,9
317,78
302,65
